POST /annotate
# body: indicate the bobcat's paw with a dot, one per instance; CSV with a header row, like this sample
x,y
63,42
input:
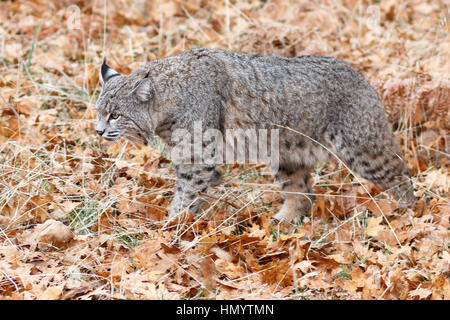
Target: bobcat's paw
x,y
285,215
181,207
404,195
292,211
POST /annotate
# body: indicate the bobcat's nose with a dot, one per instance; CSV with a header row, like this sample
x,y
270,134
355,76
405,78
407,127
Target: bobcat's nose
x,y
100,132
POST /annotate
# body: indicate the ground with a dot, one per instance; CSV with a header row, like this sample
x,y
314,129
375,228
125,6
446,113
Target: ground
x,y
81,218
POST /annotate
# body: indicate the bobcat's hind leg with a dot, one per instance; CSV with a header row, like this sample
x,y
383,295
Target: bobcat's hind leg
x,y
295,183
377,158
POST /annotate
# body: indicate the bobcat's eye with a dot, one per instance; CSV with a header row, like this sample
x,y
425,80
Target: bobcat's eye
x,y
115,116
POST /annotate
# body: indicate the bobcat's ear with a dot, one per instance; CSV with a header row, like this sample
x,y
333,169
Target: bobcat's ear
x,y
143,89
106,72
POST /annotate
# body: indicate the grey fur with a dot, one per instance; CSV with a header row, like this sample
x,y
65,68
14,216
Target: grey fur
x,y
321,97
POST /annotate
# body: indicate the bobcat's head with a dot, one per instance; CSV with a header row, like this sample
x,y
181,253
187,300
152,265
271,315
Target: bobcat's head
x,y
123,107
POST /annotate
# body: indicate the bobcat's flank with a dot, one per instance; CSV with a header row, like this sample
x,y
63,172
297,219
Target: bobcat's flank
x,y
324,99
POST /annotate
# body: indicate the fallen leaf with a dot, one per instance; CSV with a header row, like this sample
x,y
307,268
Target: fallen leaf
x,y
421,293
170,249
51,293
53,232
374,227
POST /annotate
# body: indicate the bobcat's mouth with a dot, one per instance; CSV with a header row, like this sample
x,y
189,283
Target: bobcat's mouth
x,y
112,136
111,139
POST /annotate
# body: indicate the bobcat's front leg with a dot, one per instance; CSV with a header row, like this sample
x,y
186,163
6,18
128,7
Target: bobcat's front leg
x,y
192,179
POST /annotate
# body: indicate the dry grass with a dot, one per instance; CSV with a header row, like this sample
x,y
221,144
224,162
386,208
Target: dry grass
x,y
355,243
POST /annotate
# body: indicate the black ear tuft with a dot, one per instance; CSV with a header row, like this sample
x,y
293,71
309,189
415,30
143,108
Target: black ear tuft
x,y
106,72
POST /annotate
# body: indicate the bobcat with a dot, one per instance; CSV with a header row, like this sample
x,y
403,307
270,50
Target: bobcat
x,y
326,104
